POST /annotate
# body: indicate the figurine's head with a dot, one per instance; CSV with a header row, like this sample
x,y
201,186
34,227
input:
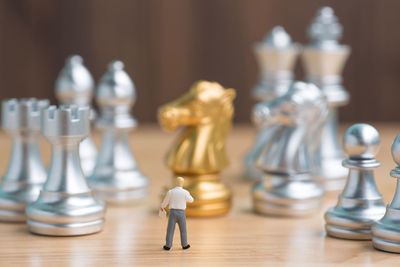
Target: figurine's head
x,y
302,105
361,141
180,181
205,103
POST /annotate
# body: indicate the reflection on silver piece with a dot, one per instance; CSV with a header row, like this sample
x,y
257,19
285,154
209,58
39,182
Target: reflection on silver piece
x,y
386,232
276,56
25,174
74,85
324,59
296,119
65,206
116,177
360,204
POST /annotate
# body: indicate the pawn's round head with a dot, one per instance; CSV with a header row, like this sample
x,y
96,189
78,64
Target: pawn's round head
x,y
396,150
180,181
361,141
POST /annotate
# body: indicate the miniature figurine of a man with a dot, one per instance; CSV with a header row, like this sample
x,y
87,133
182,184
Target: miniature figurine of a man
x,y
176,198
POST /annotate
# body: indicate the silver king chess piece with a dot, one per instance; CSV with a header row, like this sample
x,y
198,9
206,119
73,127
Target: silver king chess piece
x,y
386,231
66,206
74,85
324,59
296,119
360,204
276,56
25,173
116,177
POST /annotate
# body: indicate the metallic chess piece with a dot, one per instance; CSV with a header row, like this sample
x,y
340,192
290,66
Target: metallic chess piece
x,y
360,204
26,173
386,231
324,59
296,119
74,85
116,177
276,56
65,206
198,154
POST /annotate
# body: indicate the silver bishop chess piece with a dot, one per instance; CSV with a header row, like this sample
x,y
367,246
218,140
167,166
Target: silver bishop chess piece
x,y
360,204
66,206
25,173
386,231
276,56
116,177
74,85
324,59
296,119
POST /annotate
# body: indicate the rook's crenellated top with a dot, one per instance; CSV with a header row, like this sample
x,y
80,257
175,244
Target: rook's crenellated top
x,y
65,121
22,113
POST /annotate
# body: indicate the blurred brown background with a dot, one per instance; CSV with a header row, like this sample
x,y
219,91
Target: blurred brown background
x,y
168,44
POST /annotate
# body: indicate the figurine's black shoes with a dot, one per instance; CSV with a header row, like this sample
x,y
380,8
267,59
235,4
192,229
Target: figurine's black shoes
x,y
186,247
166,248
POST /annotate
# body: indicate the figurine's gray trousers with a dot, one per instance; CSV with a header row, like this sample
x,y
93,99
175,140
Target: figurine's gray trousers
x,y
176,216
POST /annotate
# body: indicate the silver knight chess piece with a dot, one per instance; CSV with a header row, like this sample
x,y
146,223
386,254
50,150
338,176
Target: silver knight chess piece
x,y
276,56
74,85
116,177
296,119
25,173
324,59
360,204
66,206
386,231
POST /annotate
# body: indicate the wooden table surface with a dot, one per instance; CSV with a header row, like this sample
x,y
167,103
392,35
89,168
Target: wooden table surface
x,y
134,236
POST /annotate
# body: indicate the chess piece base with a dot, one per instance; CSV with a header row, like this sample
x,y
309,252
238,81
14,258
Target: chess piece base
x,y
211,196
385,237
340,225
287,198
128,187
48,216
13,200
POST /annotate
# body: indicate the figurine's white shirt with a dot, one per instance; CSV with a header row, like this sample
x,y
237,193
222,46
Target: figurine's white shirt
x,y
176,198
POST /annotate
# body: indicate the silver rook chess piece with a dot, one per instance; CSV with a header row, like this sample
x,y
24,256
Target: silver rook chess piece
x,y
25,173
276,56
287,158
65,206
360,204
324,59
116,177
386,231
74,85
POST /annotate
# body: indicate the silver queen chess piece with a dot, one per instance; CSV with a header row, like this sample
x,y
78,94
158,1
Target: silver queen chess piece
x,y
386,231
276,56
324,59
74,86
66,206
296,119
116,177
25,173
360,204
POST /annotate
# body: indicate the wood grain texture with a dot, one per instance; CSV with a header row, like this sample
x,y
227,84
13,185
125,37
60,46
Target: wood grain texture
x,y
167,45
133,236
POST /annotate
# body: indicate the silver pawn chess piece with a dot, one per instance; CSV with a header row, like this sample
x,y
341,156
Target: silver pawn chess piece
x,y
26,173
116,177
386,231
360,204
74,85
65,206
324,59
276,56
287,158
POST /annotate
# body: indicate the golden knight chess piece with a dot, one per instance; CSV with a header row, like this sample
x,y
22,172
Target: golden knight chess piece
x,y
198,154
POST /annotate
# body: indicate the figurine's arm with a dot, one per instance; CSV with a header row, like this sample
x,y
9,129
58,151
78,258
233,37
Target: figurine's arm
x,y
165,202
189,198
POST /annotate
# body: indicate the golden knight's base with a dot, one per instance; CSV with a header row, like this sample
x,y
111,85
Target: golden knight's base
x,y
211,196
